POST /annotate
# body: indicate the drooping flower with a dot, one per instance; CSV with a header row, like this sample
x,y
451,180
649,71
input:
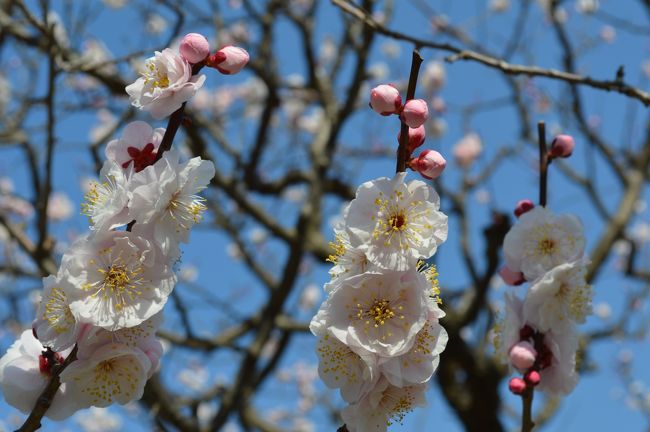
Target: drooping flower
x,y
106,201
166,83
137,148
384,405
347,259
396,223
112,373
418,364
24,374
541,240
379,312
165,198
120,281
55,325
560,296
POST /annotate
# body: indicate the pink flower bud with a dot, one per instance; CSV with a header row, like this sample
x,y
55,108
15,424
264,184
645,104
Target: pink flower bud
x,y
430,164
522,355
228,60
510,277
517,386
533,378
416,138
562,146
194,47
415,113
523,206
385,99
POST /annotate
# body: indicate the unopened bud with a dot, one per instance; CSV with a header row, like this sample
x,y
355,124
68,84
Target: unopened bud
x,y
511,277
416,138
228,60
194,47
385,99
517,386
415,113
523,206
430,164
533,378
562,146
522,355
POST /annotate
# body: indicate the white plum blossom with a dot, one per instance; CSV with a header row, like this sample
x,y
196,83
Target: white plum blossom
x,y
120,280
396,223
55,326
166,83
541,240
420,362
560,377
137,148
24,374
379,312
165,198
561,296
142,336
339,366
106,200
347,259
384,405
113,373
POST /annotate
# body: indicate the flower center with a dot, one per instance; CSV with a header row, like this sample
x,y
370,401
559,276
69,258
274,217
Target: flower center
x,y
117,277
186,210
141,158
398,221
153,77
380,311
546,246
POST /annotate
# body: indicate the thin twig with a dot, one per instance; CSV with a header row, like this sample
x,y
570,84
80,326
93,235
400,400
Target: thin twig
x,y
543,163
402,151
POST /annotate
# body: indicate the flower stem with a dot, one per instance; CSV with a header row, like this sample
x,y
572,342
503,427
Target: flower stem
x,y
44,400
543,163
527,423
402,150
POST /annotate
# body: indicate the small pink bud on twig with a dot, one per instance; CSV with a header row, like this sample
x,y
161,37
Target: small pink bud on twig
x,y
522,355
415,113
523,206
562,146
533,378
430,164
511,277
517,386
416,138
385,99
194,47
229,60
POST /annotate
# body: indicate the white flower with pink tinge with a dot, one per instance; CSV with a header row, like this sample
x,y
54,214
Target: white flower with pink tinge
x,y
395,222
137,148
541,240
347,259
112,373
24,374
384,405
379,312
142,336
166,83
560,296
165,199
421,361
55,325
106,201
120,281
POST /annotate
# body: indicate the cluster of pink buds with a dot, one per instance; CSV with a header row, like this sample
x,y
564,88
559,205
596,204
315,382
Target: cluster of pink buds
x,y
529,356
386,100
229,60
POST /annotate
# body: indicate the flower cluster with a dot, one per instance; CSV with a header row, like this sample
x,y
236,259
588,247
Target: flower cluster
x,y
379,339
538,334
99,313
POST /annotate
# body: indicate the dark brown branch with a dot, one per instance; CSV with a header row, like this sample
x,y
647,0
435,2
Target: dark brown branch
x,y
543,163
402,151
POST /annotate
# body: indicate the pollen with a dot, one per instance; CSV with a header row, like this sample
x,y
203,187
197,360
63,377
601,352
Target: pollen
x,y
377,314
57,312
154,77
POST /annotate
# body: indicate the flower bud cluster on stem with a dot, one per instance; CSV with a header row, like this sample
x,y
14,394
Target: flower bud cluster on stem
x,y
93,341
538,336
379,336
